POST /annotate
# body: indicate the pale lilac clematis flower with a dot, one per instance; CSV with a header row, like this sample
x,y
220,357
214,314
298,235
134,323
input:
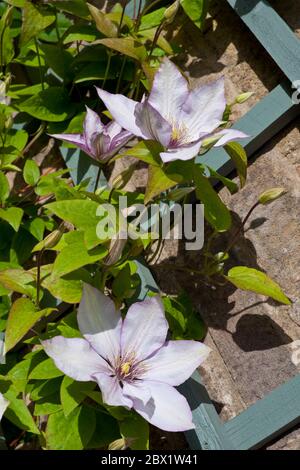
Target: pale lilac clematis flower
x,y
177,117
98,140
130,360
3,405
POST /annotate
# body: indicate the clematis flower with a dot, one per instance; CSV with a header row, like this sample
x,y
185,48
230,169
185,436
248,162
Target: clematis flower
x,y
3,405
98,140
130,360
175,116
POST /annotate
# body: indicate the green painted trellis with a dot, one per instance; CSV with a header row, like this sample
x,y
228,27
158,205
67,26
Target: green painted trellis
x,y
279,410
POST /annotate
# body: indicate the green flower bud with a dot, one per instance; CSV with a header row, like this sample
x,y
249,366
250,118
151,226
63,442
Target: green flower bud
x,y
171,12
271,195
243,97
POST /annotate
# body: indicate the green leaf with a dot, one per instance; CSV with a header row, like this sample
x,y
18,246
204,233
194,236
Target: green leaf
x,y
7,46
103,23
81,32
256,281
106,431
239,157
12,215
58,59
31,172
231,185
135,431
75,256
72,393
72,432
18,280
75,7
127,46
196,10
67,288
45,370
159,181
153,19
215,211
35,20
47,405
41,389
19,414
52,104
4,188
22,317
82,214
146,151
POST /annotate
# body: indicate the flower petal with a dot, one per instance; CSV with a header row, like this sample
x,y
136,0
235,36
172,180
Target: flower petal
x,y
75,357
229,135
92,125
100,322
169,92
167,409
122,109
203,110
175,362
113,129
120,140
186,152
111,390
153,125
3,405
76,139
144,329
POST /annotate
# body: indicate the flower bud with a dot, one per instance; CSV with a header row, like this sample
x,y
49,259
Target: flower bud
x,y
171,12
243,97
271,195
52,239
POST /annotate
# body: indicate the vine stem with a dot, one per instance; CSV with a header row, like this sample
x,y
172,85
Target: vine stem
x,y
40,64
238,231
121,20
107,69
156,38
38,277
98,178
149,7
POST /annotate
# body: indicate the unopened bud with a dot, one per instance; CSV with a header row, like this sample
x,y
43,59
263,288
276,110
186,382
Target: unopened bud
x,y
210,141
51,240
271,195
171,12
243,97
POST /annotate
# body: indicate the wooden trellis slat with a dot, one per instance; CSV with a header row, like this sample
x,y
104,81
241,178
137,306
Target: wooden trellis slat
x,y
273,33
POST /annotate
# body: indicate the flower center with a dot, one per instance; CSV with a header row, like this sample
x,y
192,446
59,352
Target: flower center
x,y
125,368
179,135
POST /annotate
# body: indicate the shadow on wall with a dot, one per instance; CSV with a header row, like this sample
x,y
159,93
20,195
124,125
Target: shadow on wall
x,y
253,332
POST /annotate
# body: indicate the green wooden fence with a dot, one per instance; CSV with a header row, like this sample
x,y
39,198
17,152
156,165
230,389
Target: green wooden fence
x,y
279,410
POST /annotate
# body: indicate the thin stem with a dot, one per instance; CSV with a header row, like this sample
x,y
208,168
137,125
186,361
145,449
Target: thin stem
x,y
121,74
40,64
238,231
38,277
35,138
149,7
97,179
121,20
156,38
139,16
107,69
